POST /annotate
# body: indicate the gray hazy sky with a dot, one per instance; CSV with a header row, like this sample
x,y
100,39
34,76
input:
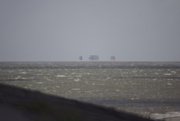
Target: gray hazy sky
x,y
58,30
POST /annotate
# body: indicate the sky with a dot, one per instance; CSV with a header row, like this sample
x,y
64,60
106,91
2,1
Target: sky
x,y
63,30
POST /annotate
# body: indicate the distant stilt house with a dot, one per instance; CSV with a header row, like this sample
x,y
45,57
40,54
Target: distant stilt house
x,y
93,57
112,58
80,58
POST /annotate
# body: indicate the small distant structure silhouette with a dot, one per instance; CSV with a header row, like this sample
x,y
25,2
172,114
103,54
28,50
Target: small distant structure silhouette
x,y
80,58
93,57
112,58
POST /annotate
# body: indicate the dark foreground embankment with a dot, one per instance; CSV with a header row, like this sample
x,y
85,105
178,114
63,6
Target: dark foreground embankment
x,y
18,104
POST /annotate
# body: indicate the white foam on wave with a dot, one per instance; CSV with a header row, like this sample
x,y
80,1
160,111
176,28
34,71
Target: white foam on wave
x,y
39,82
18,77
169,84
23,72
167,74
75,89
60,76
77,80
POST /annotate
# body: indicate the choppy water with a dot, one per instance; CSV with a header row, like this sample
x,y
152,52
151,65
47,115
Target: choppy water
x,y
121,85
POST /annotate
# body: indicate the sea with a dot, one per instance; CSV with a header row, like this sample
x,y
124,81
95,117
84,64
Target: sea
x,y
137,87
